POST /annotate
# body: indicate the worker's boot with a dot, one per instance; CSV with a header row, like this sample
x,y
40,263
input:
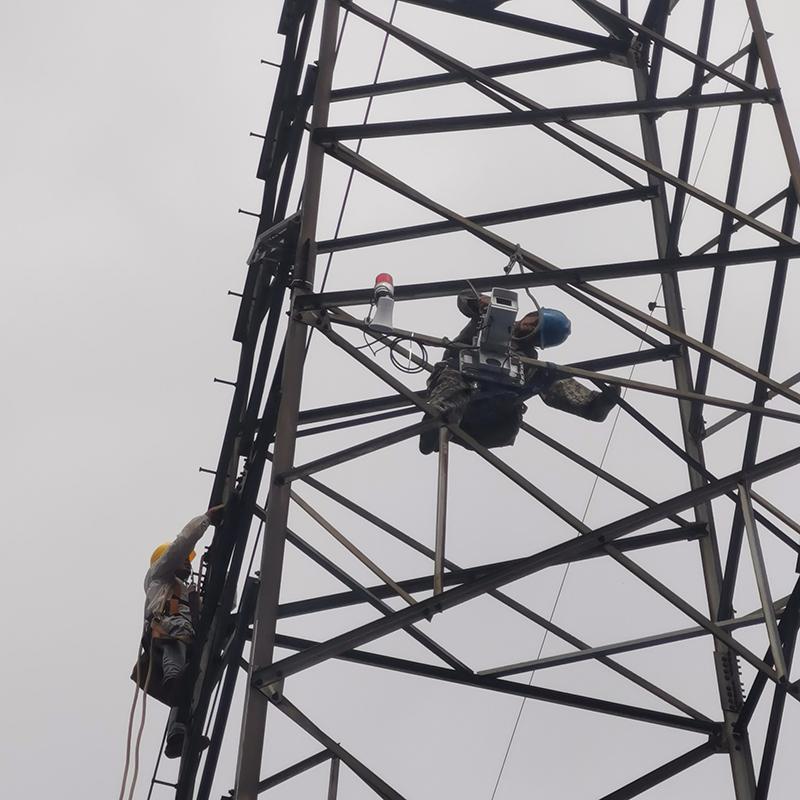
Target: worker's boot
x,y
601,406
175,740
174,747
448,393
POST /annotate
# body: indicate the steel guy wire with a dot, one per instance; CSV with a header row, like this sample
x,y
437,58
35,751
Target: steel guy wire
x,y
566,568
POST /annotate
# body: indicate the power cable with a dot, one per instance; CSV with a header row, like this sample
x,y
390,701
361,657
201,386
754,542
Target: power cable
x,y
566,569
711,132
608,442
358,144
346,196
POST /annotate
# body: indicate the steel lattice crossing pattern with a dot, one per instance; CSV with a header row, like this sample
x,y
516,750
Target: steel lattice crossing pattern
x,y
634,581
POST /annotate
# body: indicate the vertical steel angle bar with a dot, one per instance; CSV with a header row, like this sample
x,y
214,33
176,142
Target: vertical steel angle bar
x,y
441,509
740,755
377,784
787,628
255,710
333,780
690,132
233,656
277,293
768,341
282,140
723,246
762,582
776,715
220,598
296,139
771,77
228,452
205,668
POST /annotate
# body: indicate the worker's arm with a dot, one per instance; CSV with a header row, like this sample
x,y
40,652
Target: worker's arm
x,y
174,556
472,305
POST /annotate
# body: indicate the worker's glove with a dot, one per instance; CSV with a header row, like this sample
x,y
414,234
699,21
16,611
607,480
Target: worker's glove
x,y
600,407
215,514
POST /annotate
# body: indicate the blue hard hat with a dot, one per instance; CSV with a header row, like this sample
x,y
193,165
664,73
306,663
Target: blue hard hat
x,y
554,328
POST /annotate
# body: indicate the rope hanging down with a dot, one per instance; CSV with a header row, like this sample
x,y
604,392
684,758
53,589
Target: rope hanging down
x,y
141,725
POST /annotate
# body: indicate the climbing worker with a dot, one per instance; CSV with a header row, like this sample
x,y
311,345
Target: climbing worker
x,y
491,412
171,613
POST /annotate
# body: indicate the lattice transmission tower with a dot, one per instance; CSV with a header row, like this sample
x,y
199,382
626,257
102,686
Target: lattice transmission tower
x,y
602,610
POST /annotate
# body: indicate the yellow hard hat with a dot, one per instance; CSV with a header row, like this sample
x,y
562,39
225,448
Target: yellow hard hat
x,y
159,551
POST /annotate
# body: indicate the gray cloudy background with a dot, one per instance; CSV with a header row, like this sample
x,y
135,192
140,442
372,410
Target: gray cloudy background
x,y
125,156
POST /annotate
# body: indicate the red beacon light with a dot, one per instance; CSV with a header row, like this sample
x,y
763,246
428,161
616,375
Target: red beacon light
x,y
383,302
384,284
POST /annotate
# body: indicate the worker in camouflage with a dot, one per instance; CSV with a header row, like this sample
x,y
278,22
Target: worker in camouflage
x,y
492,414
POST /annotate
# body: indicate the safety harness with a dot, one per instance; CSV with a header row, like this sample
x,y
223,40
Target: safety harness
x,y
172,607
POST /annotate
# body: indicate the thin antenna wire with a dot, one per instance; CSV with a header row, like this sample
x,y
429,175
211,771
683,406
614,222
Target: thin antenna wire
x,y
358,148
566,568
711,132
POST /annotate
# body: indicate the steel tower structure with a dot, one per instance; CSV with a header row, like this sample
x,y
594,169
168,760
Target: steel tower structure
x,y
632,164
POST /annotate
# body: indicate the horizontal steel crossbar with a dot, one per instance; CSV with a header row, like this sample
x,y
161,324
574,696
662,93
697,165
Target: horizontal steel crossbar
x,y
510,687
472,122
532,564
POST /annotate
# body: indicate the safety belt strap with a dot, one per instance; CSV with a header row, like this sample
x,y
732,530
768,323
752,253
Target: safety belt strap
x,y
175,599
158,632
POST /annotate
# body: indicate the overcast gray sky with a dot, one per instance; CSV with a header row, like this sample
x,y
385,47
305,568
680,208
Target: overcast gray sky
x,y
125,156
